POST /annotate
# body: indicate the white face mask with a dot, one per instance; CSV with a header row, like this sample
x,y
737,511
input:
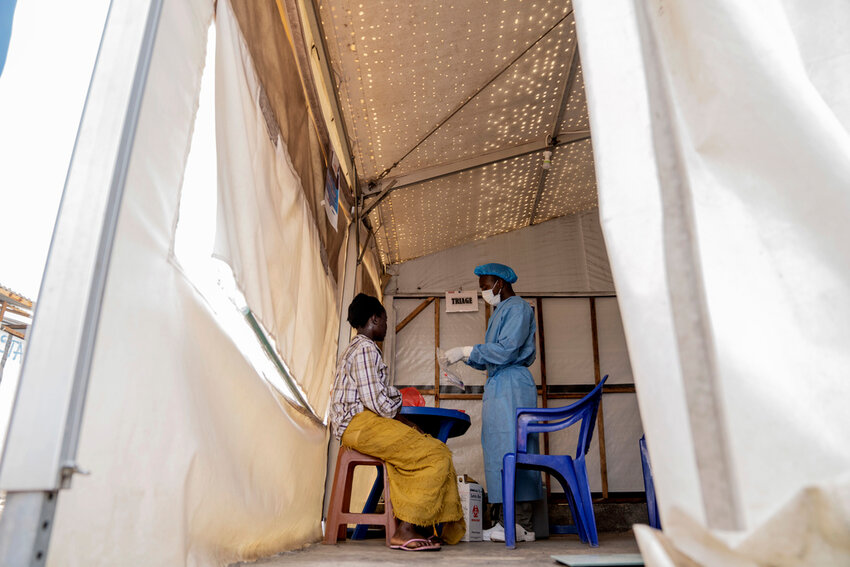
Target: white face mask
x,y
492,298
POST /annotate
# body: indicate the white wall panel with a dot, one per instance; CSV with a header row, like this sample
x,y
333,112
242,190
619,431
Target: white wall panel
x,y
462,329
566,254
414,345
569,343
190,450
613,354
622,432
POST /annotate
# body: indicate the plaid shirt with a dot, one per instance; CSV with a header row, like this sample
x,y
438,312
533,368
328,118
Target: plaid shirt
x,y
361,384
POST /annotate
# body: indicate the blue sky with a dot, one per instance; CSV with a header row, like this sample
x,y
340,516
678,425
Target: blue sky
x,y
42,92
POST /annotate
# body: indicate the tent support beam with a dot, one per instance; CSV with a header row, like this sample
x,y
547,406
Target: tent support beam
x,y
41,447
325,87
437,171
419,308
569,81
365,247
348,284
381,196
11,329
568,88
600,421
544,387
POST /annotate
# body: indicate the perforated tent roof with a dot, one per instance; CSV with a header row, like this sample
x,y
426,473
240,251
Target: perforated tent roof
x,y
455,103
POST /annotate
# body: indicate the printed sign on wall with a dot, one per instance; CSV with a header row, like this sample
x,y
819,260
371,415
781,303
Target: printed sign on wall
x,y
331,200
461,301
16,351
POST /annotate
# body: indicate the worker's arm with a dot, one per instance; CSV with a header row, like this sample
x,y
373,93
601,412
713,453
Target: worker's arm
x,y
512,335
476,365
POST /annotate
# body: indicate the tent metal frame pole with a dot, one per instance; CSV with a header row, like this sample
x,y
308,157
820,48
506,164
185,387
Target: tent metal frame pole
x,y
40,453
349,286
437,171
569,81
434,172
381,196
313,33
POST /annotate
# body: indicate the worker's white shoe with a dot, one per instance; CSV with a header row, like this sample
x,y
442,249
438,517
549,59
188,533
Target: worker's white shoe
x,y
485,535
497,534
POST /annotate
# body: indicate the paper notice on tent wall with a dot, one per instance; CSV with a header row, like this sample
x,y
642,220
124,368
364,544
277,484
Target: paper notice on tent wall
x,y
331,200
461,301
335,165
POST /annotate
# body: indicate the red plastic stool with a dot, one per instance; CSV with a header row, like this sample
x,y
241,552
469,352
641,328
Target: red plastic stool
x,y
339,515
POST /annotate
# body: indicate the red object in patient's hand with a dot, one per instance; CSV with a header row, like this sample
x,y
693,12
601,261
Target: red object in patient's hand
x,y
411,397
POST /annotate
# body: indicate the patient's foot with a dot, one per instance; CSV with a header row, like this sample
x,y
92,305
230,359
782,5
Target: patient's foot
x,y
407,536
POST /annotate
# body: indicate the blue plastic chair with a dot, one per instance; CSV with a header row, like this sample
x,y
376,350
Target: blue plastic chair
x,y
649,486
571,472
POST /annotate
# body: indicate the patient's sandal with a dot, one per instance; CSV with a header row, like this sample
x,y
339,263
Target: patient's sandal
x,y
428,545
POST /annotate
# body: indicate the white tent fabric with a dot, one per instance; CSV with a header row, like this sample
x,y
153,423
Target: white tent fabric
x,y
561,255
757,122
753,108
193,459
266,232
450,92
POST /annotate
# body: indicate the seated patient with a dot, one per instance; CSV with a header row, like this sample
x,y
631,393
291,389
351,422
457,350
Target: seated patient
x,y
365,416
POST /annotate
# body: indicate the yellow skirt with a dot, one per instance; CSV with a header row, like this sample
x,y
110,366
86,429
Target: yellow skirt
x,y
423,483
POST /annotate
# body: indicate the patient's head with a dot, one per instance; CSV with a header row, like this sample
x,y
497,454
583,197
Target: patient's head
x,y
368,316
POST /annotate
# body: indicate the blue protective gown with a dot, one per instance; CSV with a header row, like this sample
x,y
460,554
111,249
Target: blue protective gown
x,y
506,355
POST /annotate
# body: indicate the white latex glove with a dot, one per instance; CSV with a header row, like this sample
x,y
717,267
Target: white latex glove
x,y
457,354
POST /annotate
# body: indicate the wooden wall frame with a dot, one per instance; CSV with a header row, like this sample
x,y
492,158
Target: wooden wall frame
x,y
543,390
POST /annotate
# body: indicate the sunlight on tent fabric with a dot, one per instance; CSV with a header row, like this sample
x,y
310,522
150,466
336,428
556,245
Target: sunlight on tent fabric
x,y
416,100
187,446
195,236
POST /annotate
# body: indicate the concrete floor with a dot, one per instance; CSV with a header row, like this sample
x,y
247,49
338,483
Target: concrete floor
x,y
370,553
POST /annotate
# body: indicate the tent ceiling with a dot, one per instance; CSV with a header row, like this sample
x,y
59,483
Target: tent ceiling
x,y
405,71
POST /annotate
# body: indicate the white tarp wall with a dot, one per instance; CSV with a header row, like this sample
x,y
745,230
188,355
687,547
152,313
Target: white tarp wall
x,y
194,459
266,232
724,200
562,255
553,259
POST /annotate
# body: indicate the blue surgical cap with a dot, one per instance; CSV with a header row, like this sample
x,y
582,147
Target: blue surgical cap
x,y
498,270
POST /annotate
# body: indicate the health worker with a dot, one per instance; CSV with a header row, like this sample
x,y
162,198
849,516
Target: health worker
x,y
508,351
